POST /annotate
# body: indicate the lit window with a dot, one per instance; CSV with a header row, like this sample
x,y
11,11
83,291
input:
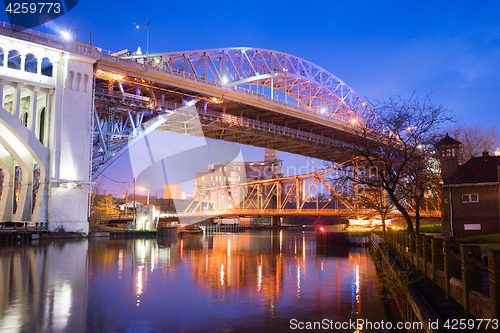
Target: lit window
x,y
469,198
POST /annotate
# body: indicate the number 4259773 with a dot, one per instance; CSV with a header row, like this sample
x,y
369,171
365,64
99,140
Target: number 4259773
x,y
33,7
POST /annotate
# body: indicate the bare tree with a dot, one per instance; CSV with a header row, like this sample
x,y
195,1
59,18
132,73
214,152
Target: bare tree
x,y
376,199
396,147
475,139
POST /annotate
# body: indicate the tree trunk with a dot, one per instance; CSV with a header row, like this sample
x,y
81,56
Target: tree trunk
x,y
382,216
417,216
403,211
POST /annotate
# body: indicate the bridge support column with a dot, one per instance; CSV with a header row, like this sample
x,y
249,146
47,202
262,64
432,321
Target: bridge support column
x,y
16,100
23,212
7,199
32,112
69,147
39,66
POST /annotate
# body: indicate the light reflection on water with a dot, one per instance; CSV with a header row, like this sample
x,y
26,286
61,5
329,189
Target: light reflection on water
x,y
229,283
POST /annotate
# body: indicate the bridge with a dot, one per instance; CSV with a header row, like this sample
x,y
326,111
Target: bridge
x,y
326,193
70,109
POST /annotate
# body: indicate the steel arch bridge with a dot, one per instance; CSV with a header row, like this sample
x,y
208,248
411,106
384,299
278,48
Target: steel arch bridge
x,y
237,94
106,102
303,83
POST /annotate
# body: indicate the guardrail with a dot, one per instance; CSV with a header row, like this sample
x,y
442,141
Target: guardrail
x,y
457,269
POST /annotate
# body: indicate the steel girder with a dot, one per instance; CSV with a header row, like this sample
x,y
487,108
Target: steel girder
x,y
303,83
120,120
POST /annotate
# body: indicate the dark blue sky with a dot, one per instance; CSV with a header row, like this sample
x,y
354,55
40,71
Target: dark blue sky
x,y
378,48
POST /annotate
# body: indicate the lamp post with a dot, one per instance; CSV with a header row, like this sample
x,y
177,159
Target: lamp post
x,y
135,207
147,41
286,79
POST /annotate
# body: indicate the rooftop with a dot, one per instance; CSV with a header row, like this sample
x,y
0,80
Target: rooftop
x,y
447,141
477,170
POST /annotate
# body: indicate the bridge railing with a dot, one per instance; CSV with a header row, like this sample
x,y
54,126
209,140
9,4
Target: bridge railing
x,y
458,269
192,76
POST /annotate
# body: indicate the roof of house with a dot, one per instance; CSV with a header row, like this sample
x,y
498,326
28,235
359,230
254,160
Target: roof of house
x,y
477,170
131,204
447,141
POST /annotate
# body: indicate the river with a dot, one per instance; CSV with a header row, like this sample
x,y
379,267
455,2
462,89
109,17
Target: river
x,y
246,282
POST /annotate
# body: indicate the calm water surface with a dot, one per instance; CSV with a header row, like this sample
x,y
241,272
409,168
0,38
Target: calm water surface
x,y
244,282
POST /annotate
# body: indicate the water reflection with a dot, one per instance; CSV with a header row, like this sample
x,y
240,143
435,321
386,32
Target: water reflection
x,y
43,287
232,283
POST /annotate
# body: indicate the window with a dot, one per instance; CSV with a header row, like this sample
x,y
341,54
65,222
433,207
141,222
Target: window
x,y
469,198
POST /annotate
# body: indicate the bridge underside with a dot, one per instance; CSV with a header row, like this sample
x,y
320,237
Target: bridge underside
x,y
125,102
219,126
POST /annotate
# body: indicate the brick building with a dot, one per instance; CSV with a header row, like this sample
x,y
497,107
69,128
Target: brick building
x,y
470,192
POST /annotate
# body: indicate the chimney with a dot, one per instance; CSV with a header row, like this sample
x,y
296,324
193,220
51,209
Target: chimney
x,y
485,156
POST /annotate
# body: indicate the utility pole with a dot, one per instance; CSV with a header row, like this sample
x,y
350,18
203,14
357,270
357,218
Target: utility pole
x,y
135,207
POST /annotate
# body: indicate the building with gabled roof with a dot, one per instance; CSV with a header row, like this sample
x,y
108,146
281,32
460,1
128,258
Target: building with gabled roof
x,y
470,192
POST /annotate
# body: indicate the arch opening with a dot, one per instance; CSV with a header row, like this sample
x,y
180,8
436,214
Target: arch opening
x,y
30,63
41,126
14,61
47,67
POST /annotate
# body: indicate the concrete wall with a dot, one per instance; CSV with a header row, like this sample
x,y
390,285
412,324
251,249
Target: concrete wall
x,y
70,145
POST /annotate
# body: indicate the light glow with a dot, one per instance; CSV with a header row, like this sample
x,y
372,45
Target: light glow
x,y
102,74
65,35
216,100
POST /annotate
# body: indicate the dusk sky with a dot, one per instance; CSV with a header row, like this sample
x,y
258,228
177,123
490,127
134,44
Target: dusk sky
x,y
378,48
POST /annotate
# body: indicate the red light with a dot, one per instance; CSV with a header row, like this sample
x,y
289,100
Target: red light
x,y
181,226
321,228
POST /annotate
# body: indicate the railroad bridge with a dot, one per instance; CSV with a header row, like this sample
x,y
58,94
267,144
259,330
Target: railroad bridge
x,y
70,109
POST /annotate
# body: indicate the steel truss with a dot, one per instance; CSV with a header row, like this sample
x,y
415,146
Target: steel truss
x,y
303,83
121,119
286,196
323,193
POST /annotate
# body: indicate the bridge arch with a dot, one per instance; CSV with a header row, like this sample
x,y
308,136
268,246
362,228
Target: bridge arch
x,y
19,146
300,82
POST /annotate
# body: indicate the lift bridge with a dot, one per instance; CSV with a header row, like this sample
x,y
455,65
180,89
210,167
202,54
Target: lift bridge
x,y
332,192
70,109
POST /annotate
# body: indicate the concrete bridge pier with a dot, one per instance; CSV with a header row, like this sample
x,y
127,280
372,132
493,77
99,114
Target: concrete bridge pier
x,y
45,135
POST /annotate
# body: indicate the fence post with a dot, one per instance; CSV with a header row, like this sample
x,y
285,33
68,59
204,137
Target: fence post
x,y
418,250
494,277
426,251
406,245
449,262
413,247
437,258
472,278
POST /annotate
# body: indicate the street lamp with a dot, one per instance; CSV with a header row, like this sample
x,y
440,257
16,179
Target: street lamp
x,y
286,79
147,40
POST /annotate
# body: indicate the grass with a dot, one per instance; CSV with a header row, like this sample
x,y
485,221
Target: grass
x,y
487,241
356,233
430,228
